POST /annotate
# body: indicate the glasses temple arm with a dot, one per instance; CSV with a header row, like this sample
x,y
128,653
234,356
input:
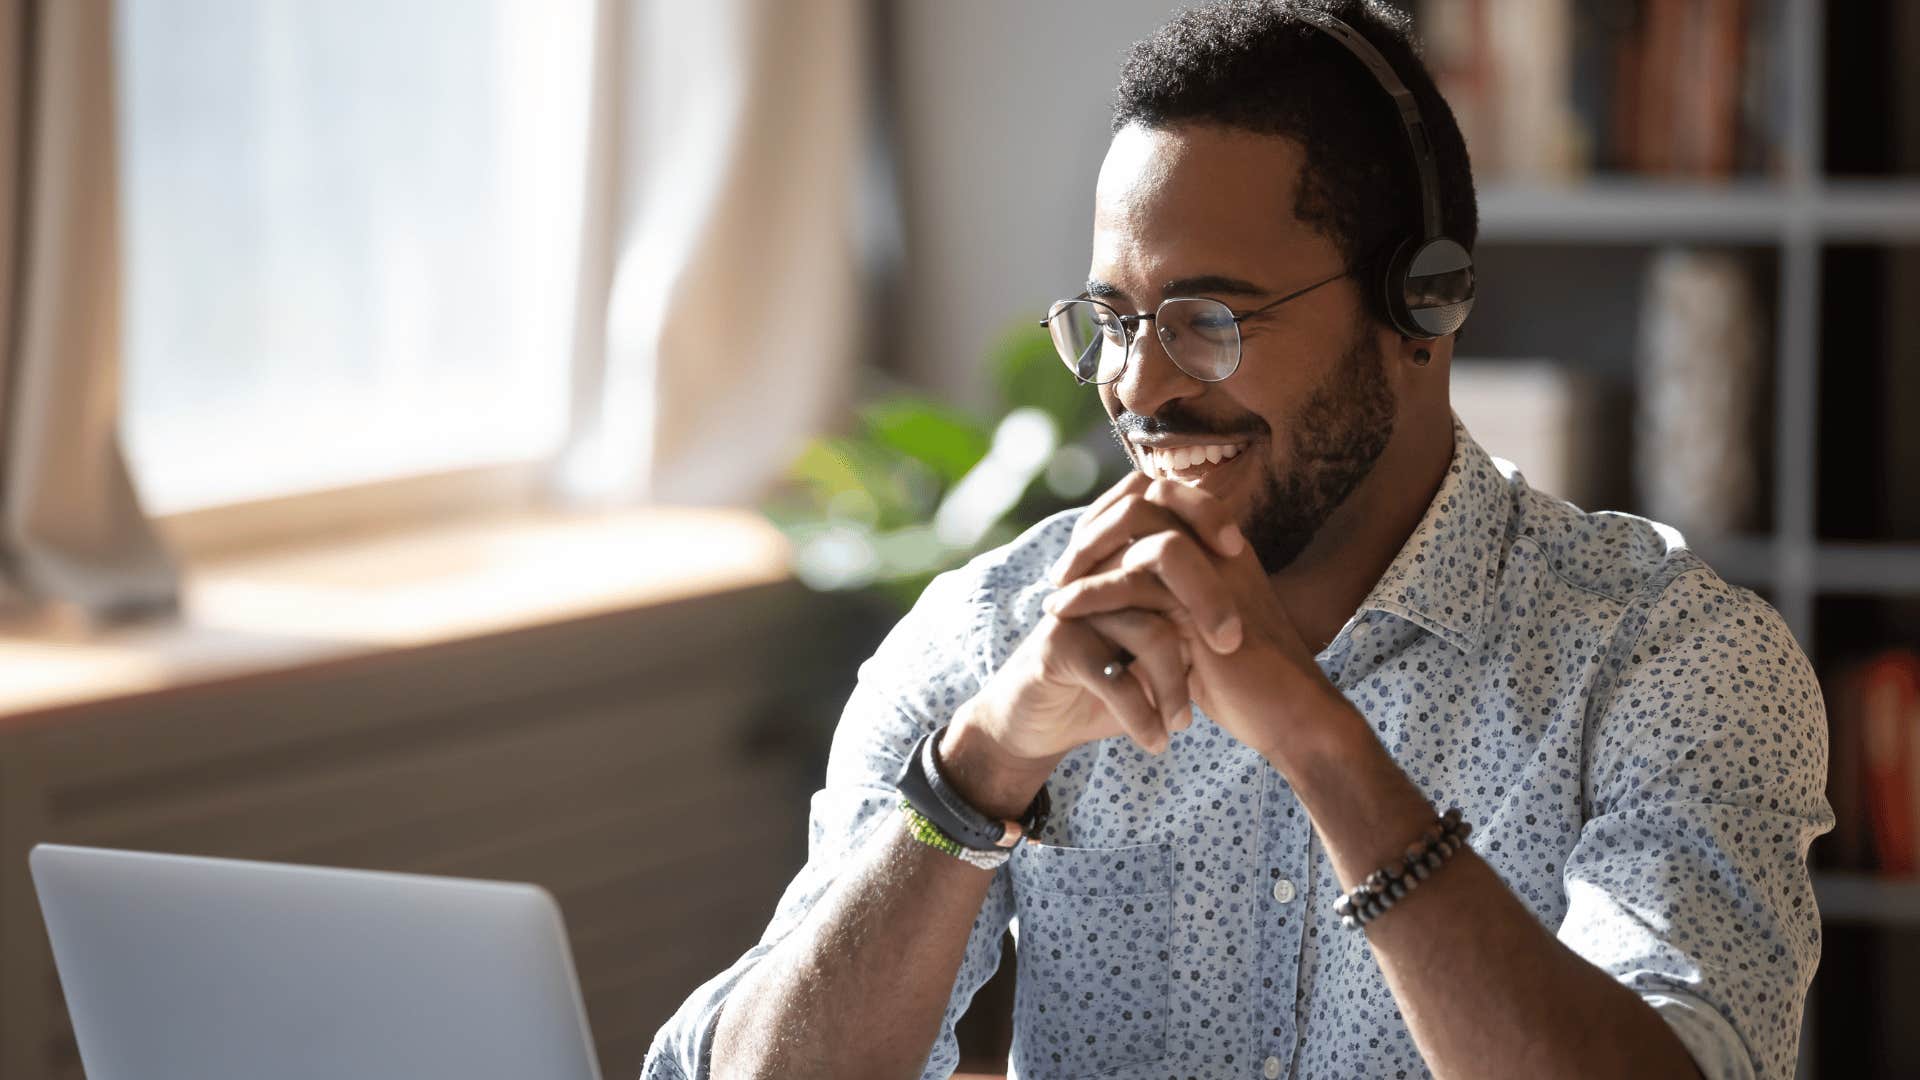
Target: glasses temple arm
x,y
1294,294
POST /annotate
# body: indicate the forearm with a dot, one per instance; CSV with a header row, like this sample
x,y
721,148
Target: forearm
x,y
1484,988
860,988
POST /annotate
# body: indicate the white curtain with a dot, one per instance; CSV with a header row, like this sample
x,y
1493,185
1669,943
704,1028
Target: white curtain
x,y
716,310
71,526
719,285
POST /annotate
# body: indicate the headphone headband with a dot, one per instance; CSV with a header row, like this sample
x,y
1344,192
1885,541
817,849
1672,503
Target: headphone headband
x,y
1416,128
1427,284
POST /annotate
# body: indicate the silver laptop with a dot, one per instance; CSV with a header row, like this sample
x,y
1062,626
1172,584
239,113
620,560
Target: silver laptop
x,y
183,968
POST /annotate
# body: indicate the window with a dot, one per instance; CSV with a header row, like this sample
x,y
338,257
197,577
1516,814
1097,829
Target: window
x,y
350,233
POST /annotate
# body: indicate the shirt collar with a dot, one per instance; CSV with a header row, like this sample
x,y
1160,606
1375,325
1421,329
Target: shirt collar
x,y
1445,574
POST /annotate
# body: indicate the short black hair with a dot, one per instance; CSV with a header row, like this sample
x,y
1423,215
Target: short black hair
x,y
1257,66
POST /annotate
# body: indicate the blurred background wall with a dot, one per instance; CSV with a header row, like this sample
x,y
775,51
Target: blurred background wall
x,y
431,335
999,113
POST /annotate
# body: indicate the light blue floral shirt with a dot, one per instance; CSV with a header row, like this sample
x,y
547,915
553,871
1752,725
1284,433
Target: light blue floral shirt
x,y
1640,746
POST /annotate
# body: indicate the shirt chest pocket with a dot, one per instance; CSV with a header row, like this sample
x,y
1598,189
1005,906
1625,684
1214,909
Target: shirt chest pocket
x,y
1095,930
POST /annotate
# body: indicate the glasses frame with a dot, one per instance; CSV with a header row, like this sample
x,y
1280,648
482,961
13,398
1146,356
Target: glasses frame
x,y
1130,323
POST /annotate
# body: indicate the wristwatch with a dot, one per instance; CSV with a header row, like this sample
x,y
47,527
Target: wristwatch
x,y
936,800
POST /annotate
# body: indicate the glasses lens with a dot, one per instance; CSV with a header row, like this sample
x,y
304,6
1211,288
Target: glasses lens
x,y
1201,336
1089,338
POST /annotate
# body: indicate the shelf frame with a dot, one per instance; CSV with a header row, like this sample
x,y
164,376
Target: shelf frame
x,y
1762,213
1856,899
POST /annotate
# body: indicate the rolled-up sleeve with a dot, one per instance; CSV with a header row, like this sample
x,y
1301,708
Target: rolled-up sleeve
x,y
1705,784
927,666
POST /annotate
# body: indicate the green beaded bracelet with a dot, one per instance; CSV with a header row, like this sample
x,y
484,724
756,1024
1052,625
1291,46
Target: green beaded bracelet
x,y
925,831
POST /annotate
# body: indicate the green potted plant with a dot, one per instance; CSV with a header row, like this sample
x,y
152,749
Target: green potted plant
x,y
919,487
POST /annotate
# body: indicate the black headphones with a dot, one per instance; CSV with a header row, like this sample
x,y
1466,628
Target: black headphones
x,y
1427,285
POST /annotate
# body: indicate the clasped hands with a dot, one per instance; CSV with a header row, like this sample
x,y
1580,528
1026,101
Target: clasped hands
x,y
1160,569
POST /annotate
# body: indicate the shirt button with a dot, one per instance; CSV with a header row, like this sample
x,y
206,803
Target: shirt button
x,y
1271,1068
1283,891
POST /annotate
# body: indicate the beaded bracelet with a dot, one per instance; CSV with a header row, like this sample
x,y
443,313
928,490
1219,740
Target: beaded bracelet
x,y
924,830
1382,888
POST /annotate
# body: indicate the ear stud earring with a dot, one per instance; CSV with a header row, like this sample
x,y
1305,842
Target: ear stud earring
x,y
1421,356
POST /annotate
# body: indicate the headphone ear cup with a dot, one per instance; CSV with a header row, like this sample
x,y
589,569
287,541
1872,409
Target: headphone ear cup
x,y
1393,289
1429,287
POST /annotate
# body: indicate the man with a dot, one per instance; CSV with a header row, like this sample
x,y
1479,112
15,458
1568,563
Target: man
x,y
1249,678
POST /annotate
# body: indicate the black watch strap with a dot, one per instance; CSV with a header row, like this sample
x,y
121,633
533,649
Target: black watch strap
x,y
936,800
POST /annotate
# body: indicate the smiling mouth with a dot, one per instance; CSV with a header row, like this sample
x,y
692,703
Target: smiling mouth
x,y
1189,464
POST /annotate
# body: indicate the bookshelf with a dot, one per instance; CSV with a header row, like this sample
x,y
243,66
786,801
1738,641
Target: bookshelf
x,y
1863,899
1794,217
1843,583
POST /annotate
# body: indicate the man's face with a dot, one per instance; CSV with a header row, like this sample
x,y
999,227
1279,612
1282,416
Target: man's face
x,y
1205,211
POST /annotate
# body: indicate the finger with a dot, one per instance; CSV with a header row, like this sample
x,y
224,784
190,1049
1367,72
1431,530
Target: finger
x,y
1196,583
1183,623
1133,484
1204,513
1081,653
1112,590
1164,572
1125,520
1158,667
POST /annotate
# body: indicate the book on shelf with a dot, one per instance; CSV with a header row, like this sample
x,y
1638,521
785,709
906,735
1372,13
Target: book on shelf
x,y
1700,374
1545,417
1552,90
1874,762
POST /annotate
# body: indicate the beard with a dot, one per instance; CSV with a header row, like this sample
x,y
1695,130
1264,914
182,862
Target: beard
x,y
1338,434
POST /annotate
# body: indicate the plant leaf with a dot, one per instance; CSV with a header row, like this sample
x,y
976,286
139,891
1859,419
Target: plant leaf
x,y
946,440
1028,371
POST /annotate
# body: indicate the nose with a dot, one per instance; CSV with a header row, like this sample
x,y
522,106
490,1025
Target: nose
x,y
1150,378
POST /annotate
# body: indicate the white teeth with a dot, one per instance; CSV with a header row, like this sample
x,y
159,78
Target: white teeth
x,y
1167,462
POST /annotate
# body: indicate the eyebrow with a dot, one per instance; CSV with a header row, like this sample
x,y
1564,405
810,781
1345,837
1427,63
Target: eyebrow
x,y
1218,284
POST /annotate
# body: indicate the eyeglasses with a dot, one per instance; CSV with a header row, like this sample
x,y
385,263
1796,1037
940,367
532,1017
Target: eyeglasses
x,y
1201,336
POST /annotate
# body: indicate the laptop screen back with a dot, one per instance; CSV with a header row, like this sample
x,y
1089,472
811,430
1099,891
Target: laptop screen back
x,y
185,968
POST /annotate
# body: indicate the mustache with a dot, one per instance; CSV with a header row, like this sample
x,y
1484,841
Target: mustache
x,y
1130,424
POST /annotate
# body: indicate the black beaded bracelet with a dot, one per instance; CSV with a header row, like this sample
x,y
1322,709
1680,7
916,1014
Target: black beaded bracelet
x,y
1384,887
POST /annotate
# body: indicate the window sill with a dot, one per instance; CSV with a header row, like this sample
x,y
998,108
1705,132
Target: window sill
x,y
275,611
